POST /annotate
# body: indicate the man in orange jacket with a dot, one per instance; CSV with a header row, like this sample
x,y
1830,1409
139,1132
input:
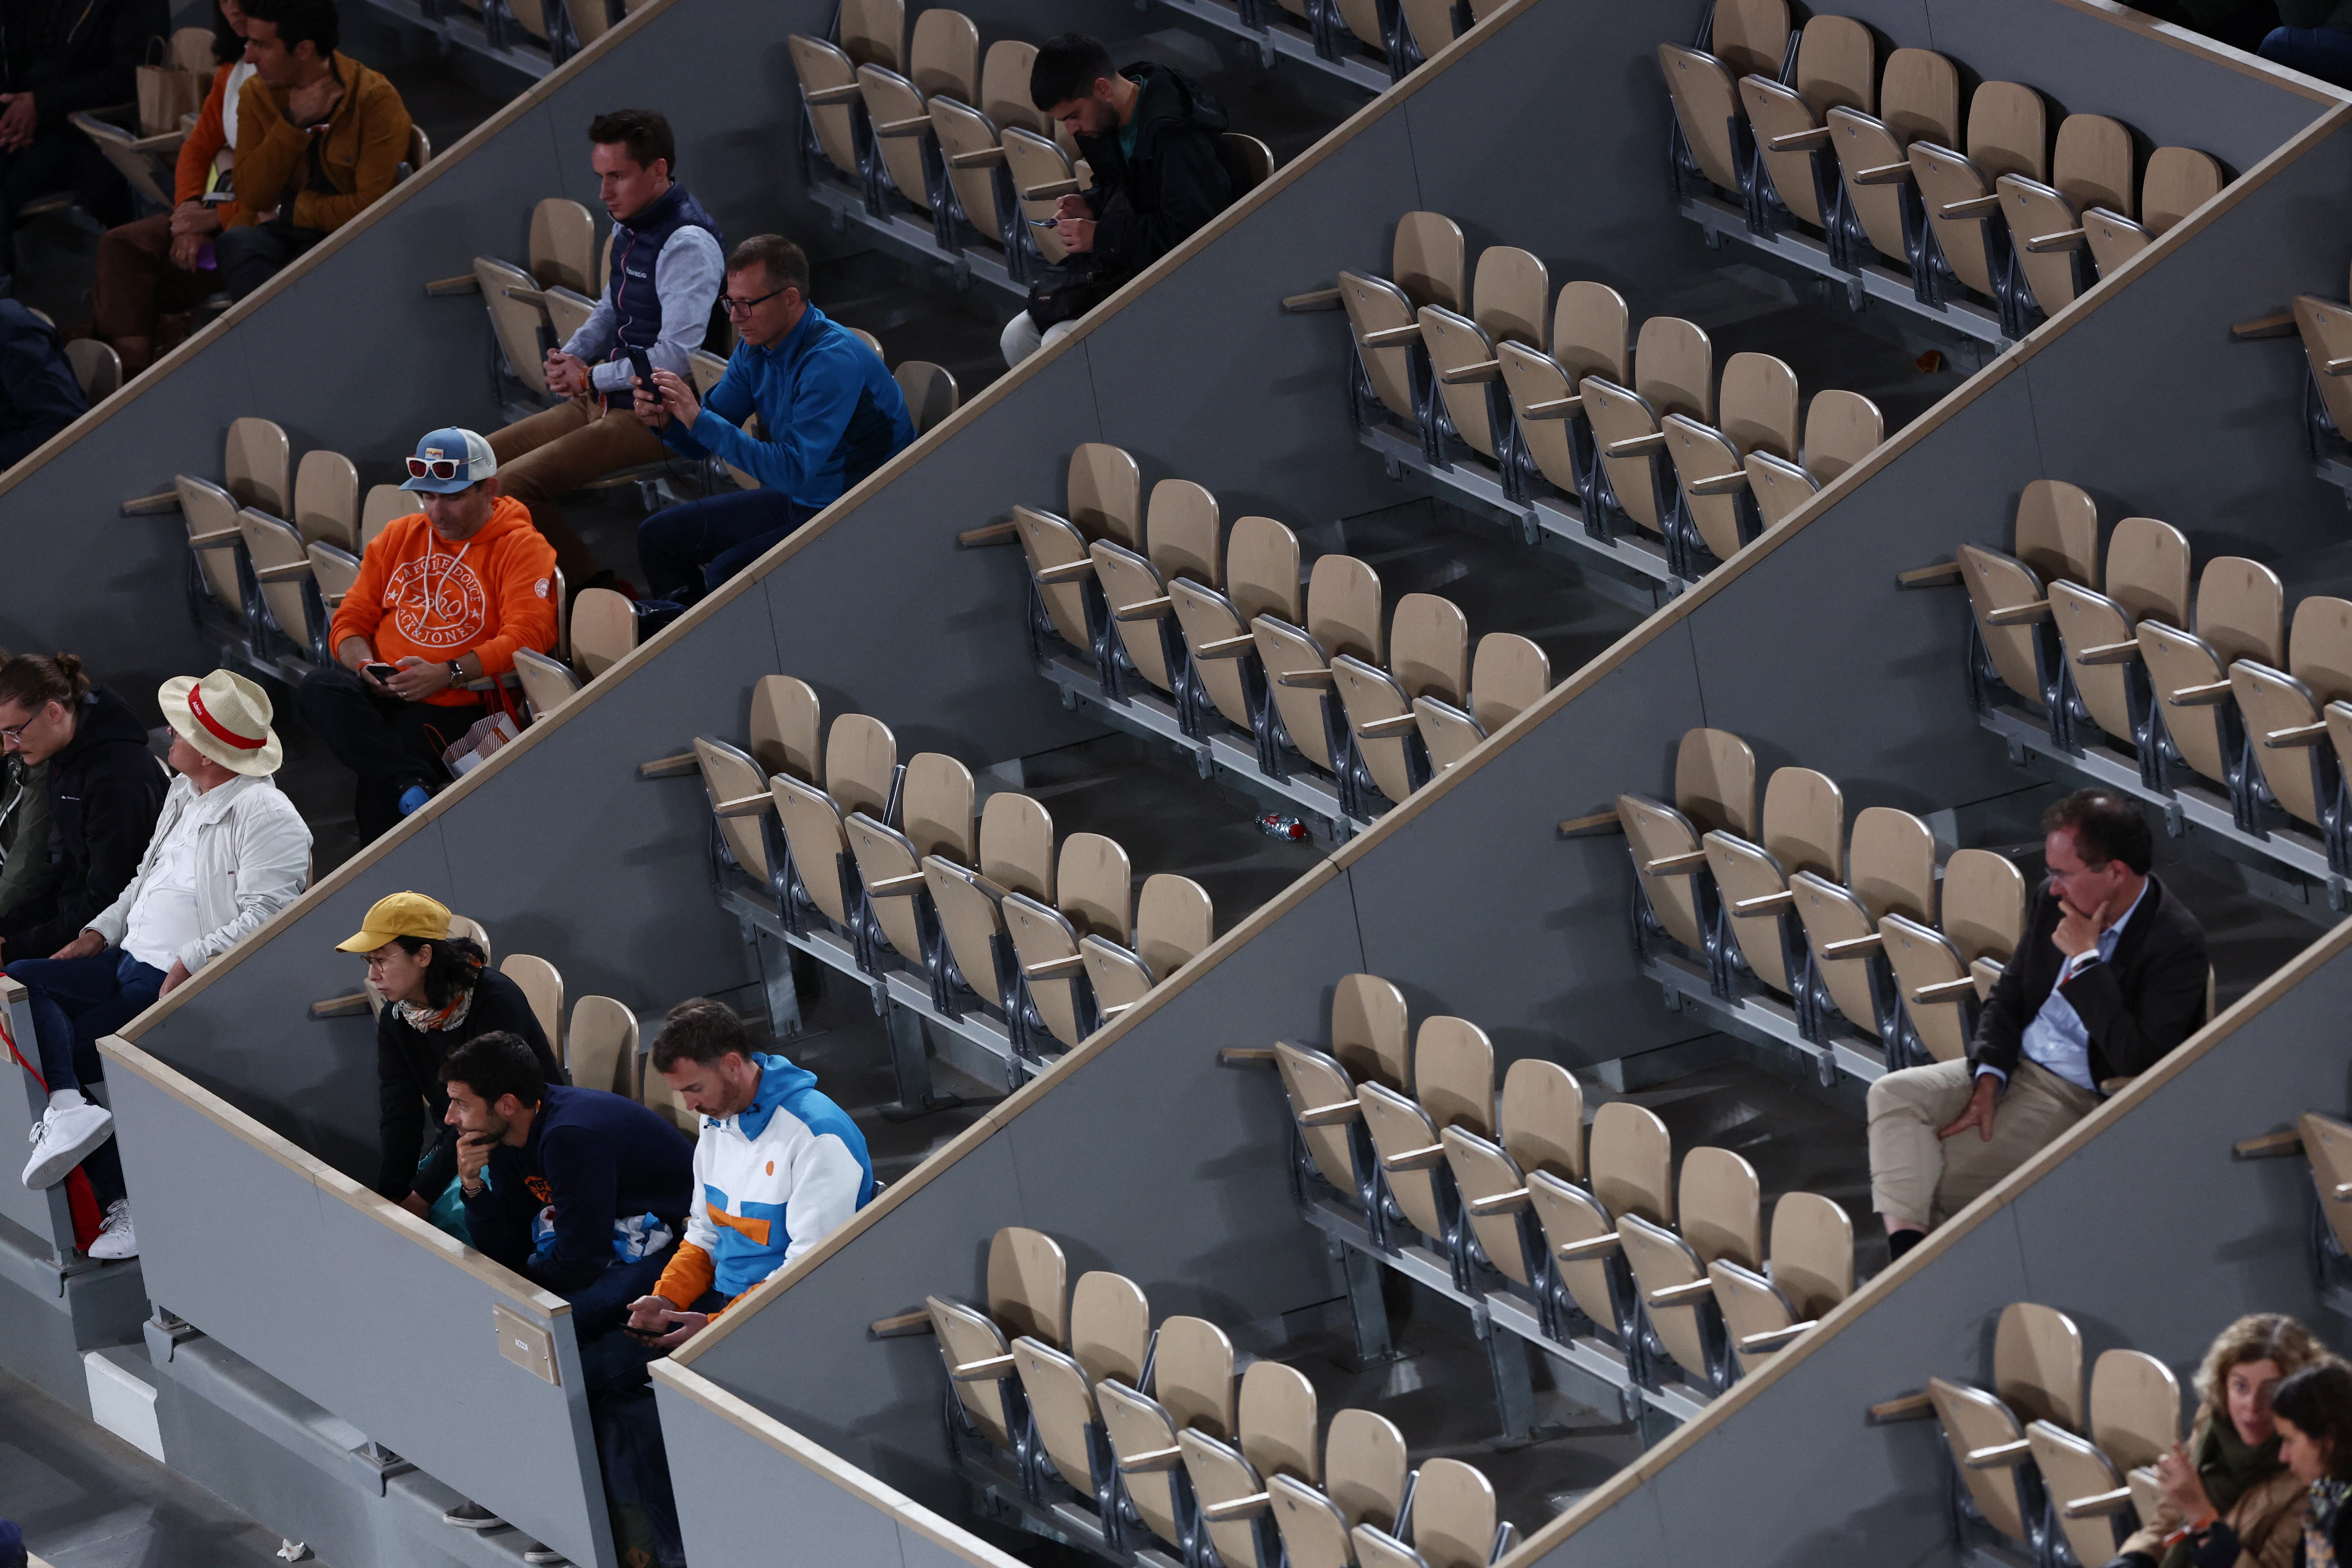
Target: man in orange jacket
x,y
444,597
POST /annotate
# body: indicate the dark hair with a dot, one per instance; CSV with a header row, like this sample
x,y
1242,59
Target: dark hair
x,y
699,1030
1067,68
312,22
495,1065
456,965
645,135
2105,827
227,44
2318,1401
786,263
33,682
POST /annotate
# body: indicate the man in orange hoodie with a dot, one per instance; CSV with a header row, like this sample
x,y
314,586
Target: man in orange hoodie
x,y
444,597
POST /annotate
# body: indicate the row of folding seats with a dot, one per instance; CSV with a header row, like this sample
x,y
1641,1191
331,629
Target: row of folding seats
x,y
596,1041
1409,1129
1563,391
2043,1468
1805,127
926,119
1403,33
1219,625
2224,688
898,860
1871,928
1153,1429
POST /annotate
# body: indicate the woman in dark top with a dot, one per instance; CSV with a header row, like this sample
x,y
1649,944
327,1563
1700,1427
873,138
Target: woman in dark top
x,y
437,995
2312,1411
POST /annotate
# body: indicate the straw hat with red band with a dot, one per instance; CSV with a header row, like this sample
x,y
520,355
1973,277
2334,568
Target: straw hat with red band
x,y
225,717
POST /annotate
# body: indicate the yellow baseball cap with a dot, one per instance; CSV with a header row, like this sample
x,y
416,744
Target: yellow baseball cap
x,y
400,914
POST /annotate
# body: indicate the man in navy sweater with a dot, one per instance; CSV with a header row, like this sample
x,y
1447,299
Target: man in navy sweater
x,y
829,411
580,1191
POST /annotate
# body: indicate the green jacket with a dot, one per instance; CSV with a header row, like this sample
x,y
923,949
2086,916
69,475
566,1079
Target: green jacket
x,y
24,830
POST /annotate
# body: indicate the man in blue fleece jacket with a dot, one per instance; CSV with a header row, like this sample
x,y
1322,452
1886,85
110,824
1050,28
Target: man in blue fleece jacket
x,y
829,413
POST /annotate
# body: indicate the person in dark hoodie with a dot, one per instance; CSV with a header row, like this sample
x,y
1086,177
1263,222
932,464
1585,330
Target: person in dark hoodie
x,y
106,790
1150,135
40,394
57,58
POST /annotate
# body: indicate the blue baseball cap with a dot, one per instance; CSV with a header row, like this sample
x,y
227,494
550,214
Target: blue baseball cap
x,y
448,461
12,1546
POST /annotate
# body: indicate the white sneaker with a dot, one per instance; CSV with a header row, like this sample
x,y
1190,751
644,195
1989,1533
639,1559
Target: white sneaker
x,y
115,1240
66,1135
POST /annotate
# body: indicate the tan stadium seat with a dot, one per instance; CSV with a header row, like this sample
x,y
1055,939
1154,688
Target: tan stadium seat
x,y
2240,614
1028,1295
2327,1145
1978,1427
1015,834
1004,87
2037,1378
1715,789
1093,879
1182,527
743,801
1261,577
1365,1468
517,319
1919,101
542,987
786,727
1064,580
1110,1330
1429,655
98,369
1455,1522
327,499
1580,1233
1542,1115
861,756
891,872
1508,300
1673,372
1281,1432
971,152
1405,1142
1106,494
901,120
937,808
2037,1364
546,683
833,100
1942,976
1811,1271
281,568
873,32
654,1091
930,392
1803,830
1042,172
1192,1376
2177,181
1497,1206
1142,1436
1428,267
2055,538
1630,1156
1173,922
604,630
1508,674
600,1046
2285,710
334,571
1745,37
1368,1031
2008,134
1721,1220
1591,334
564,245
1758,412
2090,169
1323,1101
1236,1515
2089,1478
2146,579
1840,429
1837,67
1890,870
383,504
1343,616
1453,1074
256,464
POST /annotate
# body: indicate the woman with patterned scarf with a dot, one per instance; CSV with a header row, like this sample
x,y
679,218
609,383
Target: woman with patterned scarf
x,y
2313,1413
438,995
2230,1468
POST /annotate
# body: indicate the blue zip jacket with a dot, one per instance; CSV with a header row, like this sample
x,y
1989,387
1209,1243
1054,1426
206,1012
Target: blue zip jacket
x,y
595,1159
831,411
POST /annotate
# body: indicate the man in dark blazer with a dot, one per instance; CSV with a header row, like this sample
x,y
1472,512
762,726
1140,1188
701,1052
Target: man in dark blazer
x,y
2111,975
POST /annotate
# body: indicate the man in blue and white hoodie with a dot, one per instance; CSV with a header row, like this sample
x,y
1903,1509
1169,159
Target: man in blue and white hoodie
x,y
778,1168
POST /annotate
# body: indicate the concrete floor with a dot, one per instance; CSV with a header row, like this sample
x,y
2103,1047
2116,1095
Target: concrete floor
x,y
86,1498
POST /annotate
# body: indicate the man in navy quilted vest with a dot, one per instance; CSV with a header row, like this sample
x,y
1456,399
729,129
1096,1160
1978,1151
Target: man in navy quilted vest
x,y
667,267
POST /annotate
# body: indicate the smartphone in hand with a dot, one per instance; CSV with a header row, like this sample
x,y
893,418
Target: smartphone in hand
x,y
644,369
380,670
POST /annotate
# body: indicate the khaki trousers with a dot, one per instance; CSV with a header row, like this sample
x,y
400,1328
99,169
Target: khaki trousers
x,y
555,452
1917,1176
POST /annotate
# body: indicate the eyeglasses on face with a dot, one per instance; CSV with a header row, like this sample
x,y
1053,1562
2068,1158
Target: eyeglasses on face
x,y
15,733
744,306
439,468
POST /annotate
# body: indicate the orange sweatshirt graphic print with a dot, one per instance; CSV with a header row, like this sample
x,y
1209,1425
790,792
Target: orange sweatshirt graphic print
x,y
419,595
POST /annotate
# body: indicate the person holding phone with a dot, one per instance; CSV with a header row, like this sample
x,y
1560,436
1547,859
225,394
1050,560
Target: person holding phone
x,y
657,309
443,599
2110,976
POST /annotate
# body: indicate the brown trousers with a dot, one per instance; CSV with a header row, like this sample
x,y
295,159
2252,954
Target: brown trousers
x,y
1918,1177
137,282
554,452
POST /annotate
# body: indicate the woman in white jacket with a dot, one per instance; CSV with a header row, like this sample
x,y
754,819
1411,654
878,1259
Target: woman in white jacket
x,y
229,851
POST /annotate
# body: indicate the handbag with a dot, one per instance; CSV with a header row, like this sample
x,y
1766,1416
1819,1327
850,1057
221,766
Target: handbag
x,y
166,93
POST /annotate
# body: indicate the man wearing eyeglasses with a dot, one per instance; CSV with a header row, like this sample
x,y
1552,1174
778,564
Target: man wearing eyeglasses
x,y
829,415
443,599
665,272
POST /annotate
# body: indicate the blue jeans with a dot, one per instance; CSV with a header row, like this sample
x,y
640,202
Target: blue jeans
x,y
2323,52
75,1003
690,549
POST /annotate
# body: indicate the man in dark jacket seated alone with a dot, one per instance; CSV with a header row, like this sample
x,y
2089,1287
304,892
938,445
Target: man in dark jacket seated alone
x,y
2110,976
40,394
58,57
1150,136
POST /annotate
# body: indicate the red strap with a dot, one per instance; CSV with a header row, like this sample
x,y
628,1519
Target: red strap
x,y
10,1039
220,732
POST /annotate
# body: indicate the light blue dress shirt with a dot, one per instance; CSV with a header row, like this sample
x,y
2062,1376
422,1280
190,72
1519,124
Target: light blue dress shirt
x,y
2057,1039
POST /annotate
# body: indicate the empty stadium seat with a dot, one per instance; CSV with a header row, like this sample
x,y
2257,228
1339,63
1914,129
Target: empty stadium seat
x,y
2176,181
2037,1376
1803,829
1673,372
1755,413
1388,367
1810,1269
1109,1339
1890,870
2135,1416
1943,975
1429,656
1508,674
2090,169
1836,67
1508,298
1454,1523
98,369
1841,429
2008,135
1173,922
1712,138
1715,789
600,1046
2055,538
542,987
1591,334
562,255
